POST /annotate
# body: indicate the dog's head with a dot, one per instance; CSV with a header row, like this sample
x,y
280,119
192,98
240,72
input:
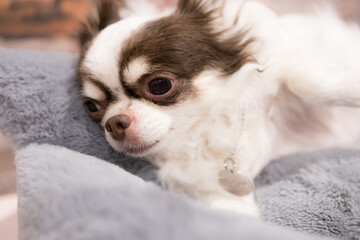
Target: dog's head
x,y
148,79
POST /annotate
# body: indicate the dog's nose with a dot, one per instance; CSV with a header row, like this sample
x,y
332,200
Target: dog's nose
x,y
116,126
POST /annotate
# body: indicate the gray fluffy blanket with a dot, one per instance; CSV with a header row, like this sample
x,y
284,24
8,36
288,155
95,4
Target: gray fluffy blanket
x,y
67,191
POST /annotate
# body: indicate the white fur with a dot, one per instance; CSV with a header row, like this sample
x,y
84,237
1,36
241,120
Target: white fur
x,y
149,126
135,69
307,63
102,58
91,91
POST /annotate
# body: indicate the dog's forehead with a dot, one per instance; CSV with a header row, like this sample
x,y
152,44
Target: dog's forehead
x,y
167,44
102,57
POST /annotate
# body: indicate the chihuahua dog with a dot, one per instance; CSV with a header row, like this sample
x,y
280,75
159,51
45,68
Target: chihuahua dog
x,y
212,90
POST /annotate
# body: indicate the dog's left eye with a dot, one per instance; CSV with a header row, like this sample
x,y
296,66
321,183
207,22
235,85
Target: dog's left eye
x,y
160,86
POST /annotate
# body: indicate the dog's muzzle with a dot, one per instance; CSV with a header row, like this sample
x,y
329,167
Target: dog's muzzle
x,y
117,125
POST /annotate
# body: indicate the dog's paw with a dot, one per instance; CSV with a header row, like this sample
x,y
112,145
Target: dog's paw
x,y
244,205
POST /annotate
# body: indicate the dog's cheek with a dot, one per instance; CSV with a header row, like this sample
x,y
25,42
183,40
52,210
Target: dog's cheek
x,y
152,124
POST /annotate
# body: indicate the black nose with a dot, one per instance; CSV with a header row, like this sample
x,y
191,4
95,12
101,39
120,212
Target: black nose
x,y
116,126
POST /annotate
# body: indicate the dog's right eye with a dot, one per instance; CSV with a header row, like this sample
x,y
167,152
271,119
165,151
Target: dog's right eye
x,y
160,86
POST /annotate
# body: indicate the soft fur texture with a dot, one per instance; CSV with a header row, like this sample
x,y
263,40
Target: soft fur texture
x,y
67,195
86,198
293,77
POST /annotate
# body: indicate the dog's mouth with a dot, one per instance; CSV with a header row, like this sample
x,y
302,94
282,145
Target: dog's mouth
x,y
139,149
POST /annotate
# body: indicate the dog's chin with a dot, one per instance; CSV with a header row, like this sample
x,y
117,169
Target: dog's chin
x,y
140,150
137,150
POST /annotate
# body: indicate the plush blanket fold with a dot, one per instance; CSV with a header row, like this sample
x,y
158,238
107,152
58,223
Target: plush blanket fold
x,y
68,195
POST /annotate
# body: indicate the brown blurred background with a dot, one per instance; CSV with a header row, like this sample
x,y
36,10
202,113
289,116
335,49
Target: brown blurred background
x,y
41,24
44,18
51,25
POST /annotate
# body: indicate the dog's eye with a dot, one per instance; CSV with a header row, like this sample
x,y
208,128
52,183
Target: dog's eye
x,y
160,86
92,107
95,109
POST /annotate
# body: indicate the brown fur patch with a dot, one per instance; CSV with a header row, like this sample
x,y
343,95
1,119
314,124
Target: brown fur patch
x,y
184,44
104,14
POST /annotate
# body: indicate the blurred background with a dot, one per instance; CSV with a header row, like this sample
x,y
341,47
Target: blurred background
x,y
41,24
51,25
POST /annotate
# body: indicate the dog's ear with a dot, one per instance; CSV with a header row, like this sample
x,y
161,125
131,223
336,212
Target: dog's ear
x,y
102,15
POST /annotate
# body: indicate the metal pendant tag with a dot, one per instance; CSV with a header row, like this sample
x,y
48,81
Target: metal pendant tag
x,y
234,181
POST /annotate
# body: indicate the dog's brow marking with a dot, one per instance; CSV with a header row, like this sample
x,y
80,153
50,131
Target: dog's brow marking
x,y
109,94
135,69
91,90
